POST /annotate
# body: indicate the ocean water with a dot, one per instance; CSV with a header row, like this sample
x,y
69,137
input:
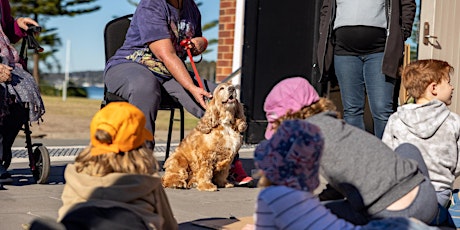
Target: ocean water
x,y
95,92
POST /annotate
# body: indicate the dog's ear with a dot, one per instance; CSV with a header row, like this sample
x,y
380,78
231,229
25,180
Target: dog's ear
x,y
239,113
240,118
210,118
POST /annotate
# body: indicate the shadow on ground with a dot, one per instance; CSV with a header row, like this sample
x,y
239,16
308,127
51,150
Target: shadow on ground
x,y
23,176
207,223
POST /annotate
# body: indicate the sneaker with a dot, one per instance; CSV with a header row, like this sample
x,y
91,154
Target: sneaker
x,y
247,181
6,178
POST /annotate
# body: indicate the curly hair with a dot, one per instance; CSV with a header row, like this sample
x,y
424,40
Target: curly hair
x,y
322,105
137,161
418,75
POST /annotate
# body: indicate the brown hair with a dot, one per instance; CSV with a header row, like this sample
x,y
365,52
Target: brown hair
x,y
418,75
323,104
138,161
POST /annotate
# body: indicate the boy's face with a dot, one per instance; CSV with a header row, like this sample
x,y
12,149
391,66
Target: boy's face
x,y
444,91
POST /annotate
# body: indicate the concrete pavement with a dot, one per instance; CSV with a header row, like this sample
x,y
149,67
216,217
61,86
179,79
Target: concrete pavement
x,y
23,200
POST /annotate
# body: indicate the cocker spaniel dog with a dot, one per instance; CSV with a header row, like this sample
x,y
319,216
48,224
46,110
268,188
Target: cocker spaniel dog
x,y
203,158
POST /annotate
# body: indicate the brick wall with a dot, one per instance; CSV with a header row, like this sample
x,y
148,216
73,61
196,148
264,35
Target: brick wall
x,y
226,37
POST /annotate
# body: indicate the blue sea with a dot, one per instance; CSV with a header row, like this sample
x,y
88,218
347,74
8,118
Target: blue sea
x,y
95,92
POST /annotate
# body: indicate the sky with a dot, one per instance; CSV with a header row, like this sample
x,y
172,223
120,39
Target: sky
x,y
84,33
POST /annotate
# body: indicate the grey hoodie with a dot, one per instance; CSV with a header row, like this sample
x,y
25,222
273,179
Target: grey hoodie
x,y
435,130
361,167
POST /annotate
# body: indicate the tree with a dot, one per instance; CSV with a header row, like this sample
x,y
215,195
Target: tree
x,y
40,11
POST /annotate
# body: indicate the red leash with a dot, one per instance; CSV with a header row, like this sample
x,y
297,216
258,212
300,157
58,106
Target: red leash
x,y
186,43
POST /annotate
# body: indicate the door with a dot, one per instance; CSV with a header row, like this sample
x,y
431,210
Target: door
x,y
440,38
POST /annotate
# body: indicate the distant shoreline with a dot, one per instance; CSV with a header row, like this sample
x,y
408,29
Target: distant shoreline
x,y
94,92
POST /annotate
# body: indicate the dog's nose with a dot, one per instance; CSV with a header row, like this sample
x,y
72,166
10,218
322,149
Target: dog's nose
x,y
231,89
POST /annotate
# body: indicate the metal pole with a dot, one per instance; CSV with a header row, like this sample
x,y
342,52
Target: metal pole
x,y
66,74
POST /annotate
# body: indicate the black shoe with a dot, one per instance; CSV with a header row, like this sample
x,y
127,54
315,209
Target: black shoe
x,y
6,178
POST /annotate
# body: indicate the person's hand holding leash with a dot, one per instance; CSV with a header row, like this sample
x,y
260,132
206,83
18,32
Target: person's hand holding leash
x,y
24,23
199,45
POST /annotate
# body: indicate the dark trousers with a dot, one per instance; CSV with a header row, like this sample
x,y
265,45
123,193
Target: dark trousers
x,y
10,129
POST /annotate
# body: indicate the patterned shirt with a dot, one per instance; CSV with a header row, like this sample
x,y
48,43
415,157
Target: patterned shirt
x,y
153,21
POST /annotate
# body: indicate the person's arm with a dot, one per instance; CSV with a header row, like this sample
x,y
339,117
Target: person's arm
x,y
323,13
163,49
14,29
408,10
387,136
457,167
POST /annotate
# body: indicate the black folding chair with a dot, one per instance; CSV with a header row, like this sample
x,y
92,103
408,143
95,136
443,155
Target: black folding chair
x,y
114,36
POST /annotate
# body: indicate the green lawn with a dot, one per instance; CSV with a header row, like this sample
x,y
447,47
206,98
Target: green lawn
x,y
76,107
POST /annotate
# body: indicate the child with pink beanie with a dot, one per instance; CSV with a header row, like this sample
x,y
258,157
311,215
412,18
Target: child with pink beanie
x,y
376,181
289,163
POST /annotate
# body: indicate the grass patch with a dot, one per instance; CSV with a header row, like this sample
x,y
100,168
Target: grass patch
x,y
77,108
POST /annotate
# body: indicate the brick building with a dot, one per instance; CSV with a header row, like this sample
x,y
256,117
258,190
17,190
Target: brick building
x,y
229,48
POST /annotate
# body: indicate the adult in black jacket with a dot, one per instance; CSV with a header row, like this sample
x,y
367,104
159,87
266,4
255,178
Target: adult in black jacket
x,y
366,51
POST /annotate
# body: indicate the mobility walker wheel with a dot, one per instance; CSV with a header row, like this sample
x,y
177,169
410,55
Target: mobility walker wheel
x,y
41,164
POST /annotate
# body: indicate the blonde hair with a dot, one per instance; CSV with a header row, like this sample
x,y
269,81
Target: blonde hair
x,y
418,75
137,161
322,105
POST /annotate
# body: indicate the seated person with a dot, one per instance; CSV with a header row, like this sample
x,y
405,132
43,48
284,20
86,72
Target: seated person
x,y
429,124
17,87
152,56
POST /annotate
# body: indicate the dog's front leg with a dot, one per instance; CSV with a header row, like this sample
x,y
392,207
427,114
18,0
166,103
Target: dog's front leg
x,y
220,178
221,173
203,178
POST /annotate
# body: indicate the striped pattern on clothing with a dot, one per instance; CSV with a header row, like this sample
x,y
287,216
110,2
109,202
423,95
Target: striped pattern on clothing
x,y
281,207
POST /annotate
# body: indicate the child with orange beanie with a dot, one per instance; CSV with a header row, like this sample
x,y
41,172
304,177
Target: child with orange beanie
x,y
114,180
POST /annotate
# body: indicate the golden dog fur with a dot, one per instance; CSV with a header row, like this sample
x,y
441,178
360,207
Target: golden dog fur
x,y
203,158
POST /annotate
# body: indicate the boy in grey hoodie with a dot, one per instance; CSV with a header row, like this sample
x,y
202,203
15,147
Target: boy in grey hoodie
x,y
428,123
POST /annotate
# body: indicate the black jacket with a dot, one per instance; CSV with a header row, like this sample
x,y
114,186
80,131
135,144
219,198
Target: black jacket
x,y
400,16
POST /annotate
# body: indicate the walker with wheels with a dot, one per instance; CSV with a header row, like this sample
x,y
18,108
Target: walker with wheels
x,y
38,154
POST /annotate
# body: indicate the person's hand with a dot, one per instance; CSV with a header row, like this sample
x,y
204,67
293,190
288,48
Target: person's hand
x,y
24,23
5,73
199,94
199,45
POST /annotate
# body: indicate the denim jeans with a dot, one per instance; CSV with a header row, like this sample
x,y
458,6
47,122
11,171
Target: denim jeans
x,y
358,75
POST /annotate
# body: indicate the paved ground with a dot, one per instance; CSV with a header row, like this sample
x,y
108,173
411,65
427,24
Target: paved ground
x,y
23,201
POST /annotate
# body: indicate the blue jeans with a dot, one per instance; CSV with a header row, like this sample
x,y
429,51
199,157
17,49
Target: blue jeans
x,y
358,75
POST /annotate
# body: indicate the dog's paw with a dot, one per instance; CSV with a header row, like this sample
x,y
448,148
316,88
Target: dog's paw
x,y
210,187
242,127
174,184
229,185
192,184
